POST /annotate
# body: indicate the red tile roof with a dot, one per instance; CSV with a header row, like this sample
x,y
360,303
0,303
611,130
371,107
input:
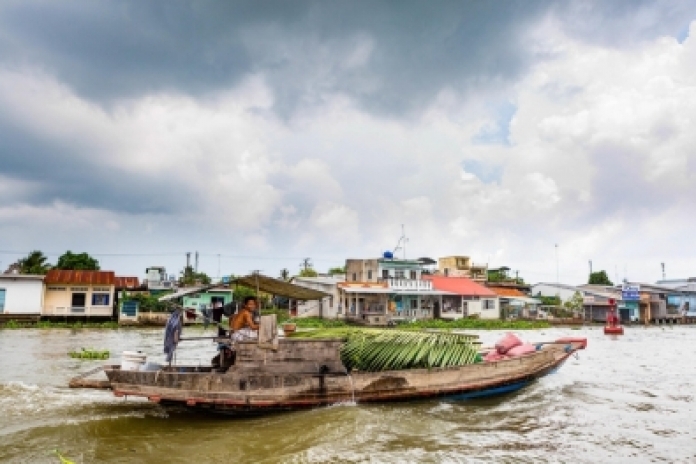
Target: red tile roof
x,y
80,277
126,282
505,291
459,285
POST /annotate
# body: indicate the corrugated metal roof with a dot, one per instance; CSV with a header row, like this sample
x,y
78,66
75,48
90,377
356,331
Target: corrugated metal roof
x,y
459,286
56,276
504,291
126,282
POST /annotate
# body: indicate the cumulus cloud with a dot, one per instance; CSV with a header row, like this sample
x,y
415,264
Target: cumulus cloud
x,y
317,130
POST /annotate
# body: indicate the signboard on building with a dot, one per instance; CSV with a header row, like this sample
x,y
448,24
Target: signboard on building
x,y
630,292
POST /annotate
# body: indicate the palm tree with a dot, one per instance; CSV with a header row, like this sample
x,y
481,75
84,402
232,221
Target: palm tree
x,y
34,263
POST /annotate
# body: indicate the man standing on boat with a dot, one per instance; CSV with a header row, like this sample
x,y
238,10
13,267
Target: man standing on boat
x,y
242,324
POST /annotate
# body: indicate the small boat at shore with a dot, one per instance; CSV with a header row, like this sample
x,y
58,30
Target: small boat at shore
x,y
296,373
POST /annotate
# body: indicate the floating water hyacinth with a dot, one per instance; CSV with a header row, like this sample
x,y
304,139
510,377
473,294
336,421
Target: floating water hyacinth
x,y
89,354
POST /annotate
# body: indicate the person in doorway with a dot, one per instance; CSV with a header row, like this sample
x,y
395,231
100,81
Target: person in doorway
x,y
217,317
242,324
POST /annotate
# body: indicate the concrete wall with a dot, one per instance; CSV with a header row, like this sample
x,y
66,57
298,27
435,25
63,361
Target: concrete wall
x,y
58,300
22,296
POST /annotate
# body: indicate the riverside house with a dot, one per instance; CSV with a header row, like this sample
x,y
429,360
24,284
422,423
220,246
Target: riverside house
x,y
379,290
21,294
79,293
462,297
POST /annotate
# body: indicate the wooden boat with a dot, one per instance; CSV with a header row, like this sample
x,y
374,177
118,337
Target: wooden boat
x,y
306,373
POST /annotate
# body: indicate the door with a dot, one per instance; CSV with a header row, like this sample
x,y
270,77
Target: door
x,y
2,300
77,303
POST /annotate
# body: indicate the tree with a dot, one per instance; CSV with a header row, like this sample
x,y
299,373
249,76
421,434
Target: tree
x,y
308,272
599,278
77,262
575,303
337,270
549,300
34,263
191,277
284,274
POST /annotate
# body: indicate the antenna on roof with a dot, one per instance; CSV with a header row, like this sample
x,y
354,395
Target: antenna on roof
x,y
401,244
663,271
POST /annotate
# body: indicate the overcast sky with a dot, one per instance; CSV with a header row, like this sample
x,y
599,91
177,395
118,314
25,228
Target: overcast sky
x,y
260,132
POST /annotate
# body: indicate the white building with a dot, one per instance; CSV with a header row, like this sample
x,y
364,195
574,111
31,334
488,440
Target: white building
x,y
328,307
21,294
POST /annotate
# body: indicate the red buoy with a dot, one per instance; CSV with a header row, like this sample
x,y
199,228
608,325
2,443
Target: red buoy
x,y
613,327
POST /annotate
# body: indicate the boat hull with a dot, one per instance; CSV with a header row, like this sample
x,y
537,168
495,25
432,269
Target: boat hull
x,y
309,374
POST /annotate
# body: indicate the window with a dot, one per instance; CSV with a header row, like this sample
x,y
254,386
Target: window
x,y
488,304
79,289
413,275
57,289
101,289
77,302
414,304
100,299
385,273
2,299
355,277
399,274
369,275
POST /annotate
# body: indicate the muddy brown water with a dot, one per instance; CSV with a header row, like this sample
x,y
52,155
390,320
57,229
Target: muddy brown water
x,y
626,399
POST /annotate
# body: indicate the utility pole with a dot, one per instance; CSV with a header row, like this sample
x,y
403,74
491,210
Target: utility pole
x,y
196,268
590,267
188,259
557,279
663,271
218,276
306,263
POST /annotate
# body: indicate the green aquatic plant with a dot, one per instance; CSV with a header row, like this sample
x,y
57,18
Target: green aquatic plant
x,y
89,354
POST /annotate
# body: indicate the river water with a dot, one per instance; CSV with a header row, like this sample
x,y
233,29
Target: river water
x,y
627,399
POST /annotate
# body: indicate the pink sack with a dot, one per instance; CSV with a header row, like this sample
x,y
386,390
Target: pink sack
x,y
521,350
493,356
508,342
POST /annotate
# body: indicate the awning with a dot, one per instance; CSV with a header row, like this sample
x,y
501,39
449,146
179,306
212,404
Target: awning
x,y
182,292
279,287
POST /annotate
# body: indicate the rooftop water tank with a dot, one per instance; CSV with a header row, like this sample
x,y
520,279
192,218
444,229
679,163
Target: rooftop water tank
x,y
388,255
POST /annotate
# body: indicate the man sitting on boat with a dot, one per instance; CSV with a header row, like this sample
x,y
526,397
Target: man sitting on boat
x,y
242,324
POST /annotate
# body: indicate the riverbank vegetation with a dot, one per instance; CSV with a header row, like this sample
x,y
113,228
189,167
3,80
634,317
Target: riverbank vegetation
x,y
59,325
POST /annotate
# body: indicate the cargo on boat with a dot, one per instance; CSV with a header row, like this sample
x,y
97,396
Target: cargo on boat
x,y
306,373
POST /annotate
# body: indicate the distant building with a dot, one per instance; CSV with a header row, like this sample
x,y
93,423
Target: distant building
x,y
328,307
79,293
21,294
596,299
380,290
156,279
462,297
208,298
461,266
515,303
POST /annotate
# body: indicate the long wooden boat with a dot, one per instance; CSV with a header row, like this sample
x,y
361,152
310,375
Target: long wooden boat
x,y
308,373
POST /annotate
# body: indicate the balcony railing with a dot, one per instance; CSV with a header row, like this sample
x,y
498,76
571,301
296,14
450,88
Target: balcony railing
x,y
409,284
78,311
